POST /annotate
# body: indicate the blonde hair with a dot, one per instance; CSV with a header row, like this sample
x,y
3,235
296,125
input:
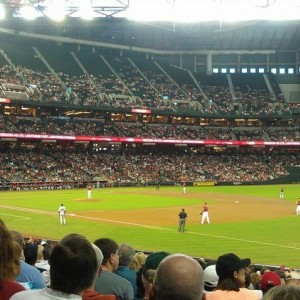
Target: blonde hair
x,y
40,255
138,261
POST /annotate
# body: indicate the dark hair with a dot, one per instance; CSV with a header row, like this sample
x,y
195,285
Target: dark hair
x,y
73,264
228,284
30,253
47,251
108,247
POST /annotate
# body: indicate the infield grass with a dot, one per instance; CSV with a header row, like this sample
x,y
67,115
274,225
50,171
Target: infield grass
x,y
270,241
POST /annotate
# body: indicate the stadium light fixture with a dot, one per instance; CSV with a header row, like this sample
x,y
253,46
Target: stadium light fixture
x,y
213,10
186,11
28,12
154,10
2,12
56,10
86,11
283,10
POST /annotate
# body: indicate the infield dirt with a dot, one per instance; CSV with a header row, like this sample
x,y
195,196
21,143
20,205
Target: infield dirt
x,y
222,209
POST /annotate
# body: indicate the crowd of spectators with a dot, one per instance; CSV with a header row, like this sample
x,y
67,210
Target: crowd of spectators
x,y
70,167
128,85
96,127
76,268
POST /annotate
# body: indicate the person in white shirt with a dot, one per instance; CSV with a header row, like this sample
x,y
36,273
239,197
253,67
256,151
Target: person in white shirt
x,y
62,214
73,269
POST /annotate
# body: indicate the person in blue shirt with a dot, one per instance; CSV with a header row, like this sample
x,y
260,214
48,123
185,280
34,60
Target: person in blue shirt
x,y
126,254
29,275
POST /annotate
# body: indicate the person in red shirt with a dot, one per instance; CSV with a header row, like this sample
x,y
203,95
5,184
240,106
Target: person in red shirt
x,y
204,214
9,264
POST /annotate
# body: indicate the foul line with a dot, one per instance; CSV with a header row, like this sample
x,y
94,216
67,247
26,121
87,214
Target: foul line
x,y
15,216
144,226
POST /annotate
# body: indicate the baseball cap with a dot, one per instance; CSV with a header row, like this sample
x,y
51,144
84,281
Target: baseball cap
x,y
269,280
292,275
211,278
228,263
152,261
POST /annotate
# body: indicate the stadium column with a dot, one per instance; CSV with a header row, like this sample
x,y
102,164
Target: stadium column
x,y
209,63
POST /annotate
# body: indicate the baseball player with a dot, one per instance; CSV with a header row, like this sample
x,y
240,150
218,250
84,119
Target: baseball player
x,y
298,207
62,214
281,195
89,192
204,214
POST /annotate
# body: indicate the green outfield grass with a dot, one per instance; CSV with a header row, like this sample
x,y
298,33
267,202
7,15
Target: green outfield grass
x,y
273,241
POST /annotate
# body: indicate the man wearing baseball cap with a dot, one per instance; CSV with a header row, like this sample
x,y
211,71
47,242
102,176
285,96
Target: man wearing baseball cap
x,y
231,271
292,278
151,263
211,278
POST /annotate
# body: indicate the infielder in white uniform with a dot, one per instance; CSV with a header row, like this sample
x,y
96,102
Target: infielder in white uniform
x,y
89,191
62,214
298,207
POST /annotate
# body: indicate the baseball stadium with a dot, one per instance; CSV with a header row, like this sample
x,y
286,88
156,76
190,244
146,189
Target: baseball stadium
x,y
126,122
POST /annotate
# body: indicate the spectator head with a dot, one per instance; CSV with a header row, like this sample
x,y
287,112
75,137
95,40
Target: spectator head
x,y
73,265
255,280
30,254
40,249
47,251
231,271
292,278
178,276
43,242
10,254
18,237
151,264
99,257
126,254
146,274
211,278
109,249
283,291
138,261
269,280
230,263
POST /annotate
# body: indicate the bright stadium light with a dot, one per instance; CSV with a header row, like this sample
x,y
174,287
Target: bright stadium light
x,y
2,12
56,10
164,10
283,10
85,10
154,10
213,10
28,12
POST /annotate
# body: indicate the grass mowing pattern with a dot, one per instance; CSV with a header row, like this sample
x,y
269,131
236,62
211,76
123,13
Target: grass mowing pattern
x,y
272,241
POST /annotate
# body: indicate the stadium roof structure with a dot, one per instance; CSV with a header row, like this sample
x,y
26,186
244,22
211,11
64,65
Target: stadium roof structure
x,y
248,36
169,35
